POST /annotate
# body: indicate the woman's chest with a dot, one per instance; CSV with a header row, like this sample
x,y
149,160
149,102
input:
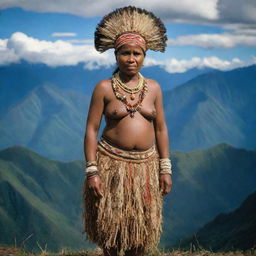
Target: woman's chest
x,y
117,109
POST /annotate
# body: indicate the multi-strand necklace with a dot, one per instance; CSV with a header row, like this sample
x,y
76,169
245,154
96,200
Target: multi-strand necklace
x,y
141,87
131,90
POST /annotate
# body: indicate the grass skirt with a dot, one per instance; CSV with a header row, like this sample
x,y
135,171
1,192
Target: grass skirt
x,y
129,214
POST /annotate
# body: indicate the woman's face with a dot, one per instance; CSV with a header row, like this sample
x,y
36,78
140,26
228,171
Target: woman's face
x,y
130,59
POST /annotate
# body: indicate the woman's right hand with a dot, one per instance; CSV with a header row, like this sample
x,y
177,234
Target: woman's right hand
x,y
95,186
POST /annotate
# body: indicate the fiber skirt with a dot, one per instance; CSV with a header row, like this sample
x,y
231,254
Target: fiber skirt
x,y
129,215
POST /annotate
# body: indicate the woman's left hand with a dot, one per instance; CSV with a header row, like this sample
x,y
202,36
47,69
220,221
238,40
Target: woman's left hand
x,y
165,182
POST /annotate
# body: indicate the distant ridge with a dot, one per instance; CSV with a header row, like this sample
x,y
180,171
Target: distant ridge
x,y
50,121
213,108
232,231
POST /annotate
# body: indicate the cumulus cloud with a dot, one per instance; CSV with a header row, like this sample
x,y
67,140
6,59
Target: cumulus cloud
x,y
181,10
208,11
8,56
59,53
85,8
152,62
63,34
237,11
225,40
180,66
232,15
172,9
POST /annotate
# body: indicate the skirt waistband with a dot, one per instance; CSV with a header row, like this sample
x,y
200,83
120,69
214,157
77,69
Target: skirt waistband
x,y
126,154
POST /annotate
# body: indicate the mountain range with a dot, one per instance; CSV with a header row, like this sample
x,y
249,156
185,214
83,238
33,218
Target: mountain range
x,y
213,108
17,80
40,199
49,118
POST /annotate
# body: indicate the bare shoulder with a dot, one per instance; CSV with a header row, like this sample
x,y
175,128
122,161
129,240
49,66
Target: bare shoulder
x,y
153,85
102,87
103,84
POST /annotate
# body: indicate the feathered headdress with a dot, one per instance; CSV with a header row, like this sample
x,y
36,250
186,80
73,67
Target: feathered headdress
x,y
130,24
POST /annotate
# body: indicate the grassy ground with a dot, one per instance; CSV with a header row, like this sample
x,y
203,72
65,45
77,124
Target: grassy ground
x,y
10,251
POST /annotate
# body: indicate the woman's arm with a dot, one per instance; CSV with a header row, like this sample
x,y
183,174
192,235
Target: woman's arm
x,y
162,139
90,139
93,122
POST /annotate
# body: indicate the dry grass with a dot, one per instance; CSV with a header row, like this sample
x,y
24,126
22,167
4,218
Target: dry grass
x,y
10,251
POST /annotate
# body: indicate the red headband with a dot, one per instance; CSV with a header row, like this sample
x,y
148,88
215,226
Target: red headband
x,y
132,38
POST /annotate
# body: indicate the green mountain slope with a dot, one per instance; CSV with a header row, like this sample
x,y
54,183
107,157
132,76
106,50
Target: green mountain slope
x,y
42,197
205,183
49,120
213,108
234,230
40,200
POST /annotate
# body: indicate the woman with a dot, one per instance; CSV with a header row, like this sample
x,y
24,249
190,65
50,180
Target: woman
x,y
128,169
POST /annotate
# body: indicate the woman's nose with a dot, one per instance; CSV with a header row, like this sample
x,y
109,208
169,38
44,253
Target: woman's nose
x,y
131,58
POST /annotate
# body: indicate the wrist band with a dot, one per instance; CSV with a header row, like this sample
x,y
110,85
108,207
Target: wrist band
x,y
165,166
91,169
166,171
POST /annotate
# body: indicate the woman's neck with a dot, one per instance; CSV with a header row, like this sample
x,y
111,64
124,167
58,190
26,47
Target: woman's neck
x,y
129,78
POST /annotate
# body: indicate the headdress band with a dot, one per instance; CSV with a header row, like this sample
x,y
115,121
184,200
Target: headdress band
x,y
130,38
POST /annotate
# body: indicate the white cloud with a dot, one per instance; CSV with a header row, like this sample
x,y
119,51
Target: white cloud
x,y
152,62
63,34
225,40
237,11
8,56
179,10
208,11
232,15
172,9
59,53
180,66
85,8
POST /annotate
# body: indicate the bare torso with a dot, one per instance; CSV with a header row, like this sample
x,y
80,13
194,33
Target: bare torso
x,y
124,131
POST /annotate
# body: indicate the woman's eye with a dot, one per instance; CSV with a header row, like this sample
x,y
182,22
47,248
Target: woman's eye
x,y
125,53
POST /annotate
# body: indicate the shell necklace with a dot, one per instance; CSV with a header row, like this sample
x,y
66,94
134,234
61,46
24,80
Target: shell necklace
x,y
131,108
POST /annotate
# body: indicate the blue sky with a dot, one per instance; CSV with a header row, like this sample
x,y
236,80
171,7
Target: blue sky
x,y
201,33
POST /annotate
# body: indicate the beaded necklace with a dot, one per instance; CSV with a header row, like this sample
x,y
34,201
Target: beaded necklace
x,y
131,108
131,90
